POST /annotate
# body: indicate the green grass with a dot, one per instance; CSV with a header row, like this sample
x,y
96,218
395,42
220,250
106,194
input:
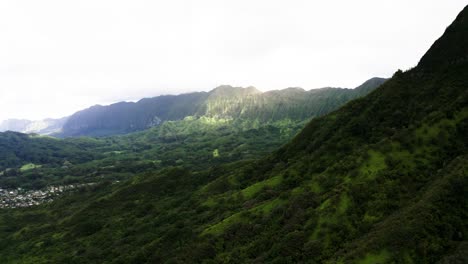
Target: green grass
x,y
216,153
426,132
323,218
268,206
252,190
116,152
325,204
375,258
29,166
370,218
375,163
315,186
264,208
327,217
210,202
403,156
345,201
219,227
311,185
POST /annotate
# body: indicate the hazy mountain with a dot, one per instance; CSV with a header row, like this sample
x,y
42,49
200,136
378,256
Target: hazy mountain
x,y
44,127
222,102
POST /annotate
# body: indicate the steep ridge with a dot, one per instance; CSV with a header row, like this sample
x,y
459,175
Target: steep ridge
x,y
125,117
222,102
381,180
452,48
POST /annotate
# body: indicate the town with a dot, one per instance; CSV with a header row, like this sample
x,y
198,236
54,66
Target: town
x,y
17,198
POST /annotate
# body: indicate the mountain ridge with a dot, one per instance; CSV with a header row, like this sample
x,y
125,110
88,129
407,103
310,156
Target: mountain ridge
x,y
222,102
451,47
382,179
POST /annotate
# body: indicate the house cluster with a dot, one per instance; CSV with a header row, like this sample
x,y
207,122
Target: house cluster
x,y
16,198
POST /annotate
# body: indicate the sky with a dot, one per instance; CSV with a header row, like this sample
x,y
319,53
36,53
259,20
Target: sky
x,y
58,56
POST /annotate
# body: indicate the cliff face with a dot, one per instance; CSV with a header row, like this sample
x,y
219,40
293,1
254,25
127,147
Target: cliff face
x,y
222,102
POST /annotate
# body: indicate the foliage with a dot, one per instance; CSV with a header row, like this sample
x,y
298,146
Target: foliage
x,y
382,179
34,161
224,102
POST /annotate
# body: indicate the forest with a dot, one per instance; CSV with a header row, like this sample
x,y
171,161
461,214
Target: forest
x,y
381,179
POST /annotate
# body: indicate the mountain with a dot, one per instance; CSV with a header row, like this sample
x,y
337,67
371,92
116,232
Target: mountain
x,y
32,161
225,102
222,102
18,149
258,129
44,127
383,179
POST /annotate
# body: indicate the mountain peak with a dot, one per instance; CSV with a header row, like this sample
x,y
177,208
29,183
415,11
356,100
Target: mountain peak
x,y
371,83
451,47
228,90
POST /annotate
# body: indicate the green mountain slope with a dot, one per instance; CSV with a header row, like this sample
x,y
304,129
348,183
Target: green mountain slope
x,y
33,161
16,149
222,102
381,180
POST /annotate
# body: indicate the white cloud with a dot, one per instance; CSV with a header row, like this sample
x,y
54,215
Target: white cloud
x,y
57,57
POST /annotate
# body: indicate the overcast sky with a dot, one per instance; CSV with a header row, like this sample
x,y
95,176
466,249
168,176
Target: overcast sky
x,y
60,56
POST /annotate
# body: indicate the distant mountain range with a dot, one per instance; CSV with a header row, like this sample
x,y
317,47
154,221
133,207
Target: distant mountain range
x,y
46,126
225,102
222,102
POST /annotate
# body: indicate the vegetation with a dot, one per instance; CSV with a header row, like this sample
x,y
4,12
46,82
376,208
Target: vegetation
x,y
32,162
381,180
224,102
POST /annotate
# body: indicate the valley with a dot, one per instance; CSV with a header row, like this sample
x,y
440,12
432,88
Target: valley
x,y
190,142
375,174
